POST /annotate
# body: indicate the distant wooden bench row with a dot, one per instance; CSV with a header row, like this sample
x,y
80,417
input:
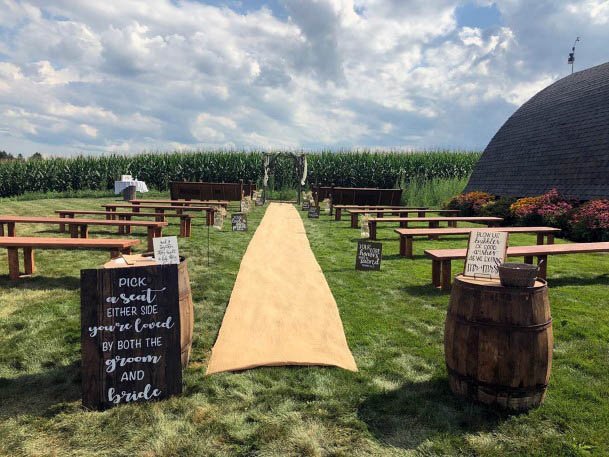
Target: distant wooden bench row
x,y
401,212
441,258
222,203
432,222
28,244
185,219
231,191
356,196
160,208
79,228
407,235
338,209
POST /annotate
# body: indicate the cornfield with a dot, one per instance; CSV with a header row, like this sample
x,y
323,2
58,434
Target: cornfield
x,y
348,168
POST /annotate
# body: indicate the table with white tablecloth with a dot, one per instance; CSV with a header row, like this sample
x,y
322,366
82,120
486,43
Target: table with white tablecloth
x,y
125,188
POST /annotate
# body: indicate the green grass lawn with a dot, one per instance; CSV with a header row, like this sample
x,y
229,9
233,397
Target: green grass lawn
x,y
398,403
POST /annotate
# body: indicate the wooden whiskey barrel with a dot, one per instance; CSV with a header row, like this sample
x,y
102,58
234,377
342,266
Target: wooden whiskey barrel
x,y
187,319
498,342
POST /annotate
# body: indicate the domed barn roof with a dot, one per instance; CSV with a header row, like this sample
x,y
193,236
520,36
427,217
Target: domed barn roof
x,y
559,138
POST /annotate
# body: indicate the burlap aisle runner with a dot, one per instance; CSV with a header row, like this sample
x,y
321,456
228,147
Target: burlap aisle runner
x,y
281,310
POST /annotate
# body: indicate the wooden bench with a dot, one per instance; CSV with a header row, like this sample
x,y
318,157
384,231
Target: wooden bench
x,y
28,244
403,212
209,210
222,203
432,222
407,235
338,214
79,228
441,258
185,219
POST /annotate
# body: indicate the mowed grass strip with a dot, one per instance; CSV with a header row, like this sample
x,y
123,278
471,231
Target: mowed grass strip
x,y
398,403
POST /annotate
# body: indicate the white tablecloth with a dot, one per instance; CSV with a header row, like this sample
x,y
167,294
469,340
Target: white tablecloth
x,y
140,186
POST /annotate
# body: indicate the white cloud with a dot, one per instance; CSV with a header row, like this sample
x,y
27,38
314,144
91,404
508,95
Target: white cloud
x,y
154,74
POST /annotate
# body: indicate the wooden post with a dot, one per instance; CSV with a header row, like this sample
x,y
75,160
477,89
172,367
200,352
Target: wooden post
x,y
29,263
13,263
84,231
542,261
372,229
446,275
435,272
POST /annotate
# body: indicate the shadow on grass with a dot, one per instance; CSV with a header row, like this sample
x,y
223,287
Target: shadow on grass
x,y
421,411
41,282
43,394
579,281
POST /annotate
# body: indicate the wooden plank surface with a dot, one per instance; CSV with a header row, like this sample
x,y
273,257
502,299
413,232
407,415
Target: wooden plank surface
x,y
514,251
77,221
40,242
466,230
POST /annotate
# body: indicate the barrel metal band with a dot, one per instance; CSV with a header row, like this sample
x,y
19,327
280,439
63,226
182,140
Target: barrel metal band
x,y
537,388
521,328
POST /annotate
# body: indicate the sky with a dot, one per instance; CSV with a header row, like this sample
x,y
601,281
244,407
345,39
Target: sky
x,y
118,76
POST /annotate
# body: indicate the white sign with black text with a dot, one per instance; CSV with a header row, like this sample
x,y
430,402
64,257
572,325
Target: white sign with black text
x,y
166,250
485,252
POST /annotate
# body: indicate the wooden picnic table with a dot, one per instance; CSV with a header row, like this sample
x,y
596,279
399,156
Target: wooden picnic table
x,y
182,202
160,208
403,212
185,219
339,208
28,244
407,235
441,258
79,228
432,222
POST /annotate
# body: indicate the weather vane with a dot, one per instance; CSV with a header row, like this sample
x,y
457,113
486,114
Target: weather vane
x,y
571,59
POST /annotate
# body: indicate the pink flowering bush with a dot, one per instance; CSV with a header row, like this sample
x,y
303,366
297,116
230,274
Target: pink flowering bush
x,y
590,222
547,209
470,203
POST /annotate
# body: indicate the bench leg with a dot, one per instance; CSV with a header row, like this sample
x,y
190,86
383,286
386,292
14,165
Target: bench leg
x,y
452,224
528,259
128,227
1,229
153,232
338,214
62,227
84,231
114,253
542,261
29,263
446,275
433,225
540,237
354,221
135,208
11,228
550,238
209,216
408,247
372,230
435,272
73,231
403,224
380,214
13,263
421,214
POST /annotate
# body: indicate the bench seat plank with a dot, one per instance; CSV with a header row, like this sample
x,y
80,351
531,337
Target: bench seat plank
x,y
432,221
443,257
160,208
407,235
28,244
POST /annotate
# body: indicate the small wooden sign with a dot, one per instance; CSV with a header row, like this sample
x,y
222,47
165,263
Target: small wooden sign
x,y
130,335
166,250
306,204
239,222
485,252
313,212
259,201
369,254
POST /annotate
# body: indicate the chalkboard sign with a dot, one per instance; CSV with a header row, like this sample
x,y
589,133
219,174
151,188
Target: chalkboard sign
x,y
306,204
485,252
239,222
314,212
369,254
259,201
130,335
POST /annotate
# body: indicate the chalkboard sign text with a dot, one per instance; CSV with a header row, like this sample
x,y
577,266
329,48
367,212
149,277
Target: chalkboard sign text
x,y
369,254
239,222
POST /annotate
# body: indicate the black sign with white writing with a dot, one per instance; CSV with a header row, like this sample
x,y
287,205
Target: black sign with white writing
x,y
306,204
314,212
130,335
369,255
239,222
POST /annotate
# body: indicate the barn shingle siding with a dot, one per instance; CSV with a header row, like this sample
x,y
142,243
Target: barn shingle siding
x,y
559,138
